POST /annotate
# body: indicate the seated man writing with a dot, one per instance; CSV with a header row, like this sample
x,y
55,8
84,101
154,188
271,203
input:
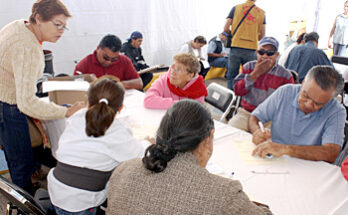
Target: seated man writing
x,y
217,52
307,120
132,49
258,80
107,60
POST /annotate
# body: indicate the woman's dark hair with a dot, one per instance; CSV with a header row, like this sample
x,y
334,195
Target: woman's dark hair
x,y
105,97
184,126
300,38
200,39
111,42
47,9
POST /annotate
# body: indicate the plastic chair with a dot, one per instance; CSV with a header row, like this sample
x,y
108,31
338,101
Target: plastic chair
x,y
221,98
19,200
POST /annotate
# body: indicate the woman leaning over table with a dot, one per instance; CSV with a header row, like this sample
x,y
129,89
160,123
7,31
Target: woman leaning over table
x,y
339,32
21,65
171,178
180,82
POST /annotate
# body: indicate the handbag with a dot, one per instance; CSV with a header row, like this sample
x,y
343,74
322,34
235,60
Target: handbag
x,y
229,37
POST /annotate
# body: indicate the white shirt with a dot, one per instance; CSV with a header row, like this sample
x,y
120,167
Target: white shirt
x,y
99,153
185,49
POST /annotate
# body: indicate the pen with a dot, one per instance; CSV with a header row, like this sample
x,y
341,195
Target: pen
x,y
261,126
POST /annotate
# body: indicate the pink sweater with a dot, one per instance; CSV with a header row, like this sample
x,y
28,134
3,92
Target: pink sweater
x,y
159,95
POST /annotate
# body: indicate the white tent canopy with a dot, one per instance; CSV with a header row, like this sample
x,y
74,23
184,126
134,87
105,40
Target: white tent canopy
x,y
165,24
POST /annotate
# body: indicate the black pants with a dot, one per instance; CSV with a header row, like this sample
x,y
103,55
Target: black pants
x,y
146,78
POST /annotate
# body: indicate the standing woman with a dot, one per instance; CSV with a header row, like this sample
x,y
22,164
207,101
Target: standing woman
x,y
21,65
339,32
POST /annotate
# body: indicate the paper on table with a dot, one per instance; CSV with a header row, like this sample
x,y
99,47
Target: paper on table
x,y
245,149
214,168
49,86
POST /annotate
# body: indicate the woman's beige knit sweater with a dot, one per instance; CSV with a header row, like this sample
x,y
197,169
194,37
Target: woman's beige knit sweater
x,y
21,65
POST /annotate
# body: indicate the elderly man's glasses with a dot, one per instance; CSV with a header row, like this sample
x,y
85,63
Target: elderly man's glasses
x,y
262,52
60,26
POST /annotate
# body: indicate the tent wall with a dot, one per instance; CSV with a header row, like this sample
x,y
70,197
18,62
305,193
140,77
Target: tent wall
x,y
165,24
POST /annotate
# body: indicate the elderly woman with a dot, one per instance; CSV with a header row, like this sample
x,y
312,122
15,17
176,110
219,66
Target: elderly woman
x,y
180,82
171,178
22,64
339,33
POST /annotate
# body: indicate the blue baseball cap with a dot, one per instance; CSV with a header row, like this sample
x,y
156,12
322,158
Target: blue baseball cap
x,y
269,41
136,35
224,33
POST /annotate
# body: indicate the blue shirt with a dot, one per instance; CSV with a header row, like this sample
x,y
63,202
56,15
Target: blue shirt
x,y
303,57
293,127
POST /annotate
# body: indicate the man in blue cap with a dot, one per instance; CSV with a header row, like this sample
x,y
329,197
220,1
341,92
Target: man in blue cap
x,y
258,80
217,52
132,49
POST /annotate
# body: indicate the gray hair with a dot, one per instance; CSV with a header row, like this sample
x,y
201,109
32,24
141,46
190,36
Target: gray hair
x,y
327,78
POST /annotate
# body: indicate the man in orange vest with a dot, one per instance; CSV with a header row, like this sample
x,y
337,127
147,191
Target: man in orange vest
x,y
244,42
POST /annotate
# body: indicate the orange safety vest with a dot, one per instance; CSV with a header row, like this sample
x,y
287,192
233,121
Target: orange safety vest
x,y
247,35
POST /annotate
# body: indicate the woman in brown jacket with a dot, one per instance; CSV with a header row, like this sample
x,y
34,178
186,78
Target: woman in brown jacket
x,y
171,178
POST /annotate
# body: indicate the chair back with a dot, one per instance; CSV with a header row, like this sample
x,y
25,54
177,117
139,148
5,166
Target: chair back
x,y
23,201
220,97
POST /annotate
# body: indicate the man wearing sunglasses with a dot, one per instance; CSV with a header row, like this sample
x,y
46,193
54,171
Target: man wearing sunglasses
x,y
258,80
107,60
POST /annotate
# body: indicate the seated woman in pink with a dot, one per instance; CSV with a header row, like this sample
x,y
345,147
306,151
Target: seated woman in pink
x,y
180,82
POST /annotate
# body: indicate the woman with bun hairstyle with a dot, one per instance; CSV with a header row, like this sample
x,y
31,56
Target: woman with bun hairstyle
x,y
93,143
171,178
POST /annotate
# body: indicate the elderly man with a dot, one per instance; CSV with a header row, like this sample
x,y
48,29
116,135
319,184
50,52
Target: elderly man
x,y
106,60
258,80
307,120
132,49
217,53
244,41
303,57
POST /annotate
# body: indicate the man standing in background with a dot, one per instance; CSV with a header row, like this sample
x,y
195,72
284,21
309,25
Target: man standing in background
x,y
245,41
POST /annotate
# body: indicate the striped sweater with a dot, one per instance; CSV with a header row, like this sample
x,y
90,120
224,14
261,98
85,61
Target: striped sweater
x,y
254,93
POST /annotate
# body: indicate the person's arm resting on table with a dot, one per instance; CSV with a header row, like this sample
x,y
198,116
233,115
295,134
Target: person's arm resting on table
x,y
136,83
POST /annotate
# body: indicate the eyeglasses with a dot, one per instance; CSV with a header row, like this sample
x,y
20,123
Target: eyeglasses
x,y
269,53
60,26
107,58
177,70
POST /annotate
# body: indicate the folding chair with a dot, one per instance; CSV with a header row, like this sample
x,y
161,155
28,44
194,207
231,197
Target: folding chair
x,y
19,200
221,98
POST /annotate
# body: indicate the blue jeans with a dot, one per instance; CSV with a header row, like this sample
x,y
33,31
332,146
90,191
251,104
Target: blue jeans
x,y
220,62
90,211
15,140
238,56
339,50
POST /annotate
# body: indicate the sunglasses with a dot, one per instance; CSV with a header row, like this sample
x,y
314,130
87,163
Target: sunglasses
x,y
107,58
269,53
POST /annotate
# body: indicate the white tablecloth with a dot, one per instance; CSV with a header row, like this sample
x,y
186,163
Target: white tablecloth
x,y
288,185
